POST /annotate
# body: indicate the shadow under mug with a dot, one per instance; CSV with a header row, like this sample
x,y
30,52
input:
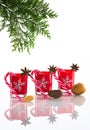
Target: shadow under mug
x,y
18,83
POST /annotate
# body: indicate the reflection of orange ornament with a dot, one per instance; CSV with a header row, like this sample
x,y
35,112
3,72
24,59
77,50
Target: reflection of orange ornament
x,y
28,98
78,89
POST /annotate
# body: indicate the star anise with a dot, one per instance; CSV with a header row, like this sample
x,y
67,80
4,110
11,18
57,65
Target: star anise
x,y
26,121
52,68
25,71
74,67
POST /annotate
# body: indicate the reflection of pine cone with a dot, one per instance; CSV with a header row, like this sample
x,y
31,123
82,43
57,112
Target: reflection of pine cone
x,y
78,89
55,93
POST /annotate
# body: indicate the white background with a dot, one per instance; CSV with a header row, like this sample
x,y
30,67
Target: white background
x,y
70,39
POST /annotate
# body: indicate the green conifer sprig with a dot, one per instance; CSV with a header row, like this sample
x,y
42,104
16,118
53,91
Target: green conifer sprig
x,y
25,20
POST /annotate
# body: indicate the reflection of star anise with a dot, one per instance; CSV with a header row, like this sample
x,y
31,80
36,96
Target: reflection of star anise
x,y
26,121
74,115
52,68
25,71
52,118
74,67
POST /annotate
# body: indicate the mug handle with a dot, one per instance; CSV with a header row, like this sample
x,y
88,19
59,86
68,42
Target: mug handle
x,y
5,78
32,111
6,114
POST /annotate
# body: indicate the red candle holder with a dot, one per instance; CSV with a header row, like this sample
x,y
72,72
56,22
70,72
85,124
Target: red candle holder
x,y
43,81
17,85
65,79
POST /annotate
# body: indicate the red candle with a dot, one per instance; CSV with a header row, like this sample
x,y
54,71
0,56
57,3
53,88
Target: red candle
x,y
43,81
19,84
66,79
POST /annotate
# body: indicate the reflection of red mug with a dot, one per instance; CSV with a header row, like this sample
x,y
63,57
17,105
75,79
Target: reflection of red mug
x,y
42,108
17,111
66,78
66,106
44,81
18,83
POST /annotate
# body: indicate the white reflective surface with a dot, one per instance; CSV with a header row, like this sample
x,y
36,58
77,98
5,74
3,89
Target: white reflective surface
x,y
67,112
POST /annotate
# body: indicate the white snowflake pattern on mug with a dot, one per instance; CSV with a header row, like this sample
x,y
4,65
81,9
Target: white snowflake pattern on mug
x,y
18,85
43,82
66,81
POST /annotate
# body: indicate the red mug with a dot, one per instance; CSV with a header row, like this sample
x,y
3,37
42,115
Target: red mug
x,y
66,79
18,84
43,81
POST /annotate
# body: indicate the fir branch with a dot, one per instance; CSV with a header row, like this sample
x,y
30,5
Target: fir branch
x,y
25,20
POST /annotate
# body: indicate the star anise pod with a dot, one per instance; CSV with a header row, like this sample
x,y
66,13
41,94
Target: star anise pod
x,y
25,71
52,68
74,67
